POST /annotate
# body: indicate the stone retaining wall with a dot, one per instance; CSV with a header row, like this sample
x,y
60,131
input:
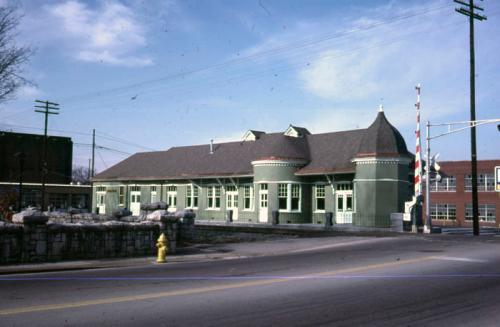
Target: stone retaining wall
x,y
39,241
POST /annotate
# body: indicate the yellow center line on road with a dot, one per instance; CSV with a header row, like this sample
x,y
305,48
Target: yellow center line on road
x,y
199,290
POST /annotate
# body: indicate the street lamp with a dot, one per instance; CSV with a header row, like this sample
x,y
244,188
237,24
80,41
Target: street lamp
x,y
469,124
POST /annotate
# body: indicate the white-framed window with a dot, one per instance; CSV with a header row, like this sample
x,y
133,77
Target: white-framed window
x,y
446,184
100,189
487,212
485,182
248,197
295,203
283,196
289,196
153,193
192,193
121,195
319,195
344,187
135,188
172,196
443,211
213,197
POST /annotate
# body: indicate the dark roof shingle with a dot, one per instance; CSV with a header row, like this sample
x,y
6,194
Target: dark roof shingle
x,y
323,153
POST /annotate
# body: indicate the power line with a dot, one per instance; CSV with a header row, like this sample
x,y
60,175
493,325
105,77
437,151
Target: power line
x,y
100,134
103,148
120,140
245,76
180,90
103,162
277,50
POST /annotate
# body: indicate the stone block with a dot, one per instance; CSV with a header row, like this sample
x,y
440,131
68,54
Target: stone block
x,y
41,248
154,206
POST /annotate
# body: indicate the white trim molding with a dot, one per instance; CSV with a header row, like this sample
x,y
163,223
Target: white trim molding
x,y
386,161
278,163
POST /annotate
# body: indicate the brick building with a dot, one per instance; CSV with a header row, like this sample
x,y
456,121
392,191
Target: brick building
x,y
60,192
451,198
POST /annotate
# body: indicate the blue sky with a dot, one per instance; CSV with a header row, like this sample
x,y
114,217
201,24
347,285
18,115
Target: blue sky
x,y
167,73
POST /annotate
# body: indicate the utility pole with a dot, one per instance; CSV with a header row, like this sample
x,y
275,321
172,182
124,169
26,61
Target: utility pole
x,y
93,153
469,11
88,171
48,109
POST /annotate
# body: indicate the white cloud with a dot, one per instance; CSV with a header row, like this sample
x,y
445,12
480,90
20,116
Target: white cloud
x,y
336,76
351,68
109,34
28,92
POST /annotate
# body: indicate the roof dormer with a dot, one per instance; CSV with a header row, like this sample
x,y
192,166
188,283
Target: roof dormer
x,y
295,131
252,135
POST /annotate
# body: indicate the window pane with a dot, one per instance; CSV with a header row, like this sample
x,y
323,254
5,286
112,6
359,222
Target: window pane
x,y
320,204
282,203
320,191
282,190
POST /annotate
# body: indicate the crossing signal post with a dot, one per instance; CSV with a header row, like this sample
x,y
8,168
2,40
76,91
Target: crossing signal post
x,y
47,108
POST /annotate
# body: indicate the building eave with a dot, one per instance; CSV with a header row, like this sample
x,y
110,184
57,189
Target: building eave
x,y
162,178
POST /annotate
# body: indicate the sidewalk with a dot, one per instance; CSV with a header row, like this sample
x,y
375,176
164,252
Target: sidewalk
x,y
200,253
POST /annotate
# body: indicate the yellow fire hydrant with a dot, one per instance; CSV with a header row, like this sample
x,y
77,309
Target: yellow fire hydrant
x,y
162,245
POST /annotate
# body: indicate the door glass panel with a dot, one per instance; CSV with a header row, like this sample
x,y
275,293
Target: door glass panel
x,y
263,200
340,203
349,202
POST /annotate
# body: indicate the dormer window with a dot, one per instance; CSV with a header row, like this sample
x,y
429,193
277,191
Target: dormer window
x,y
252,135
294,131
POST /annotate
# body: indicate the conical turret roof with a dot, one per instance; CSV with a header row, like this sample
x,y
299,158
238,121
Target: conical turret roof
x,y
382,139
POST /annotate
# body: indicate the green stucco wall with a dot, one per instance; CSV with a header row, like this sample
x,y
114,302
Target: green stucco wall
x,y
380,188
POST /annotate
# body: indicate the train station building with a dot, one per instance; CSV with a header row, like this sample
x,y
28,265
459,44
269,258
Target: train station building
x,y
361,176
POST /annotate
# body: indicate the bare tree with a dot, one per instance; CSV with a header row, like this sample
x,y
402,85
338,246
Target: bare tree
x,y
12,56
80,174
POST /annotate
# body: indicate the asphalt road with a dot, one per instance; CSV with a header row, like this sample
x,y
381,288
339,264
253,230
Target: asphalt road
x,y
404,281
